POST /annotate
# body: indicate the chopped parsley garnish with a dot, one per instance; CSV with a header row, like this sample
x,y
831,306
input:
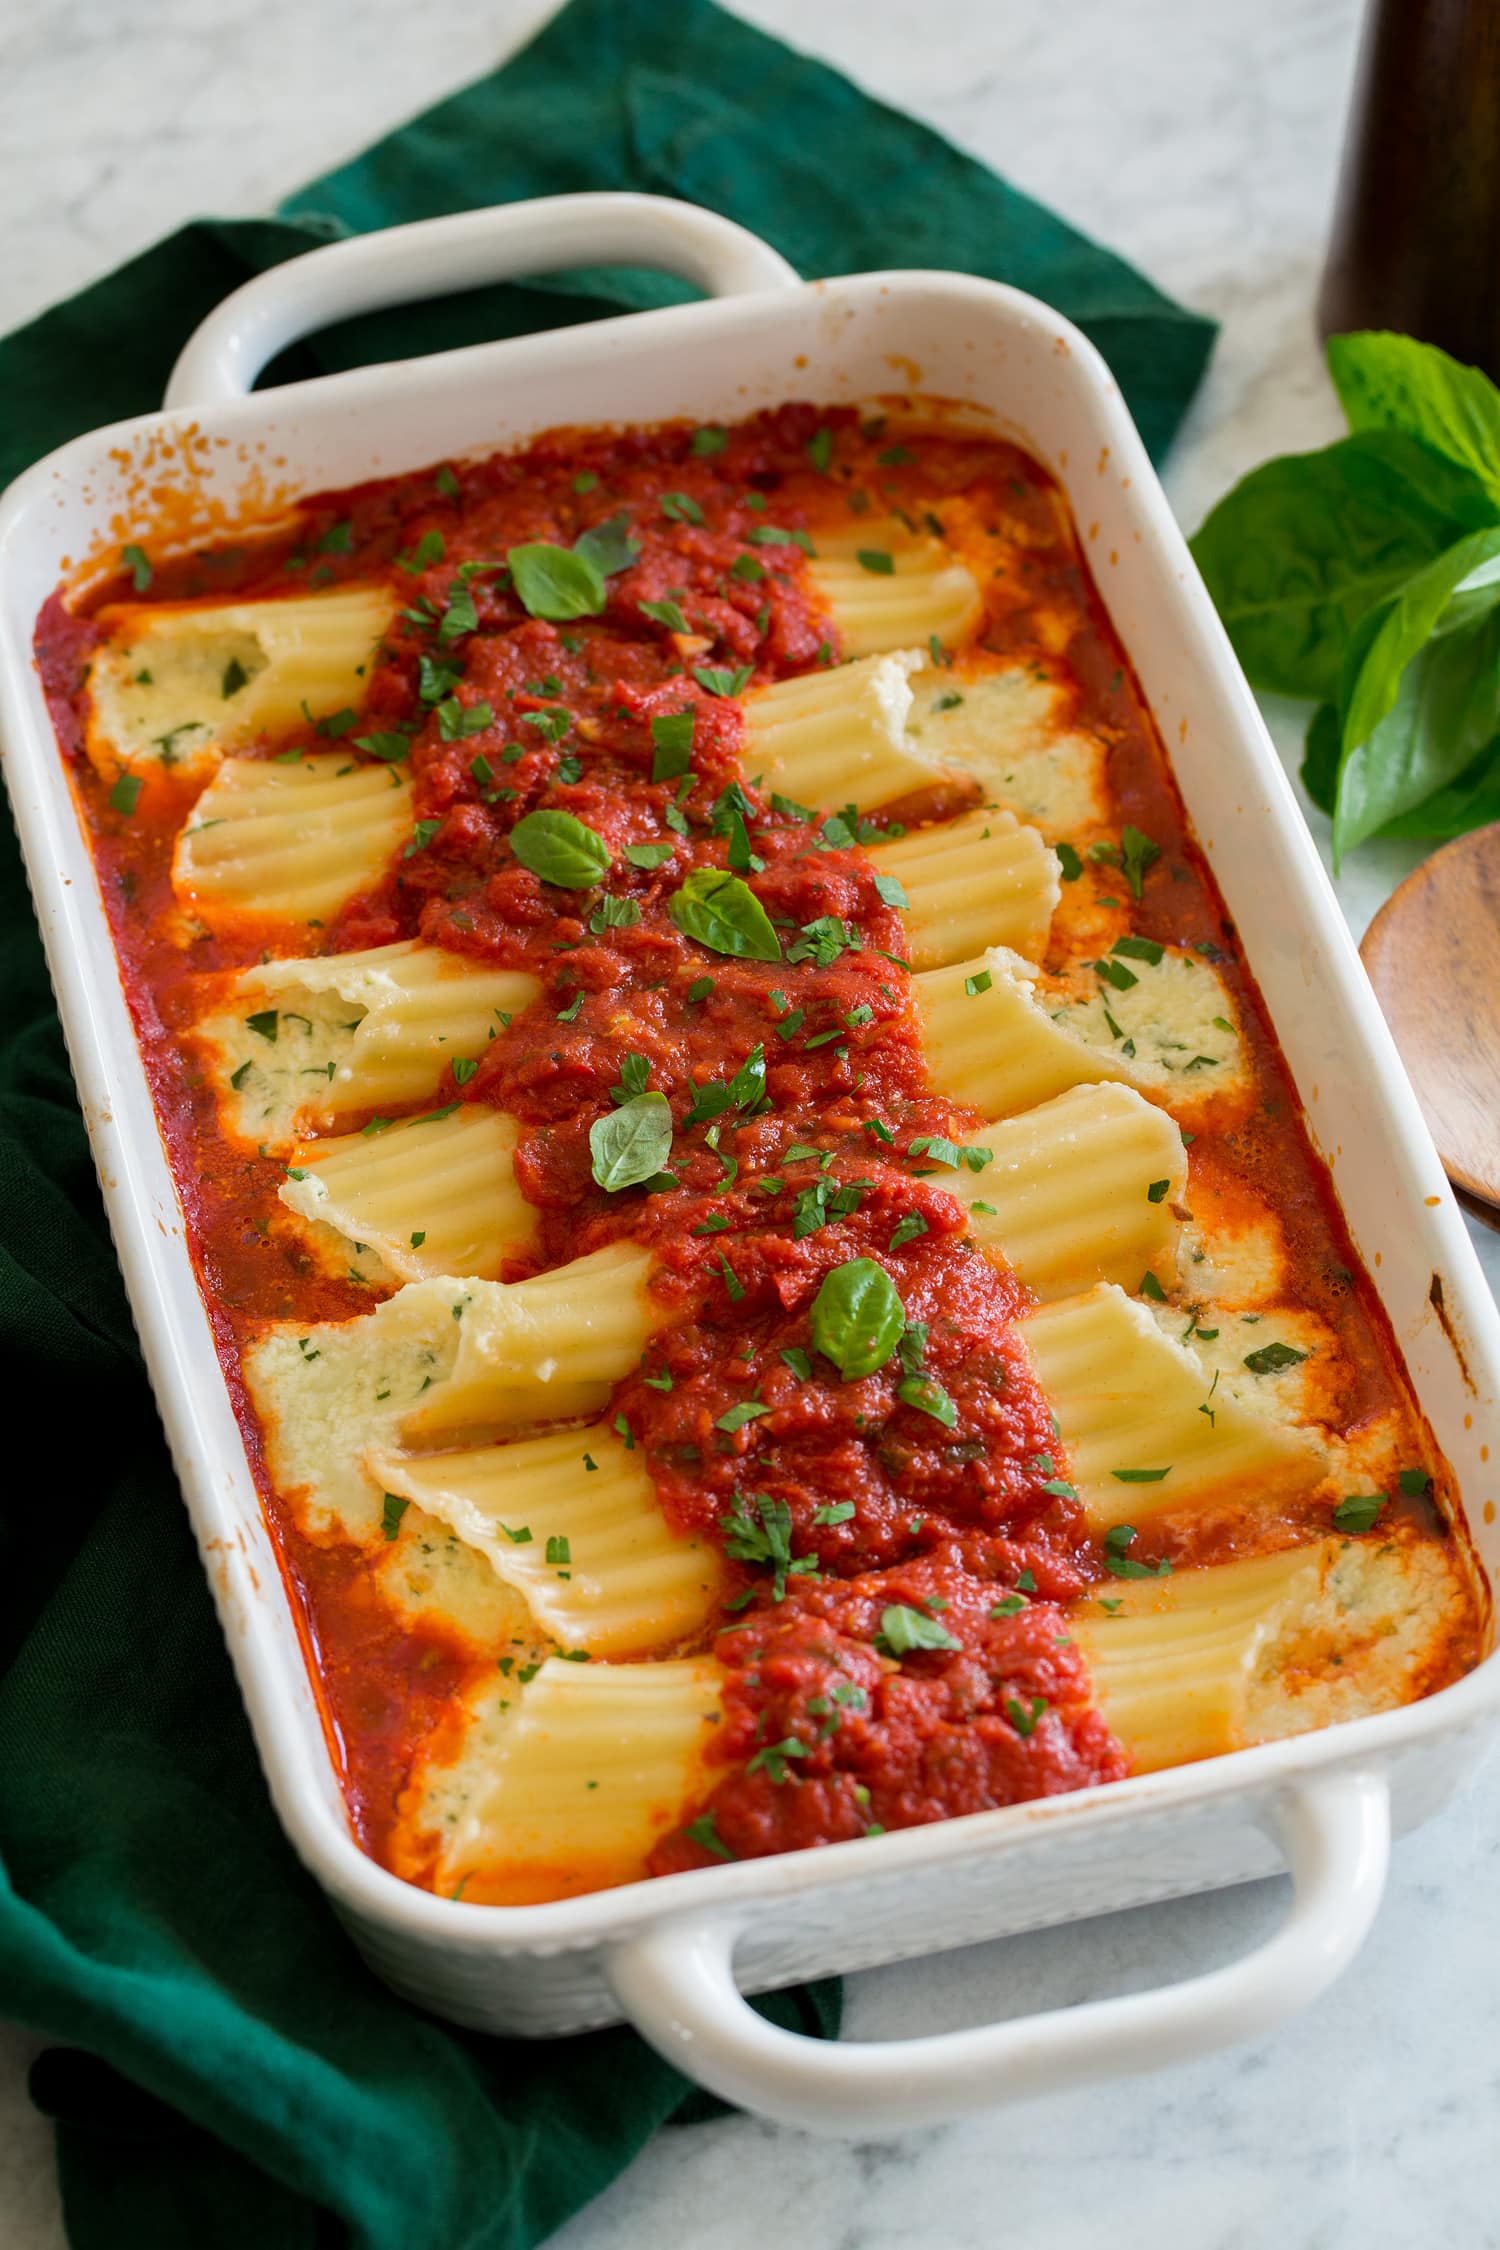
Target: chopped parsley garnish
x,y
735,1417
773,1756
635,1077
903,1630
1137,853
951,1153
1121,1564
764,1537
649,856
1360,1512
671,743
1139,949
1271,1359
718,681
704,1830
928,1397
666,613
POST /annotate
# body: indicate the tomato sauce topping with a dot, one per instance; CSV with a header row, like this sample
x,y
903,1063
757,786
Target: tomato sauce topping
x,y
896,1541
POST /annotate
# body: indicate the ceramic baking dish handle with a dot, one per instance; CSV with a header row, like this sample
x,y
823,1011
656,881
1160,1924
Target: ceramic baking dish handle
x,y
437,257
676,1984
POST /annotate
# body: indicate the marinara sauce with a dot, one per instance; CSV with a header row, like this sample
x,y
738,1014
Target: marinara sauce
x,y
896,1543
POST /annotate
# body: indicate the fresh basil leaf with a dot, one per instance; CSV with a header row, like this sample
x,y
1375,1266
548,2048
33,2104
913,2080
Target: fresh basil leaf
x,y
556,582
1271,1359
672,745
1468,802
723,913
1388,382
1305,546
665,613
631,1144
560,850
1419,700
720,681
1320,757
903,1629
607,547
649,855
927,1397
857,1318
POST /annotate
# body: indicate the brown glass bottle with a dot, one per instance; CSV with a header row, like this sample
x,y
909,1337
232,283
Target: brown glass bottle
x,y
1416,235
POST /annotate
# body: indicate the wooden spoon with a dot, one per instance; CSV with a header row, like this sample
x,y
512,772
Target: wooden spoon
x,y
1433,956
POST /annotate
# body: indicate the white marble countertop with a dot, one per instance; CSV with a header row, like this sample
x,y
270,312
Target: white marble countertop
x,y
1200,137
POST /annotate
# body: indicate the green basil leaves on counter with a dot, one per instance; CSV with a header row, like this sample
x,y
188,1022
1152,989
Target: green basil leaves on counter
x,y
560,850
632,1143
723,913
1388,382
1366,577
858,1318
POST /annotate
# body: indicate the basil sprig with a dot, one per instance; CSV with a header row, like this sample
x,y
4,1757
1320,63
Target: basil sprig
x,y
723,913
560,850
562,582
632,1143
1367,577
857,1318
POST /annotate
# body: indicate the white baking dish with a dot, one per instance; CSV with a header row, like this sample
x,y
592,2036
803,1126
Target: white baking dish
x,y
670,1955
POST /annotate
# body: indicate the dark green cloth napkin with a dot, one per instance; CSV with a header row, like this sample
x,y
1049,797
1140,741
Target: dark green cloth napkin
x,y
228,2073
